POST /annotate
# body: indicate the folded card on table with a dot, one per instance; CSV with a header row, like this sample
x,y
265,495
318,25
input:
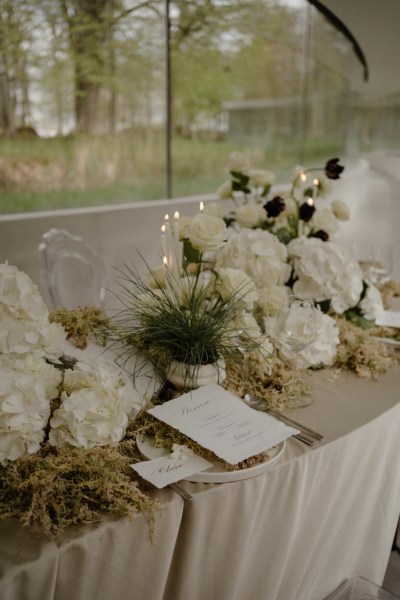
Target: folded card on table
x,y
221,422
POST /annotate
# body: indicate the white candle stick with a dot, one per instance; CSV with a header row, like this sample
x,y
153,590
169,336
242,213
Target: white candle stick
x,y
163,241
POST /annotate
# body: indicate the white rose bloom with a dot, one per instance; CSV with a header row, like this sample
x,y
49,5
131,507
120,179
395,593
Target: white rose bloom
x,y
324,219
271,298
225,191
340,210
325,271
27,384
238,162
261,177
259,254
94,407
215,209
371,305
184,222
250,215
235,281
206,233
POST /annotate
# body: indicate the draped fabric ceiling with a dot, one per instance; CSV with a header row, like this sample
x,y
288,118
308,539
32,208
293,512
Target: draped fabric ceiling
x,y
375,25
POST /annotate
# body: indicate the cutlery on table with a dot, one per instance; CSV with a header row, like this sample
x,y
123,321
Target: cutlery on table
x,y
306,433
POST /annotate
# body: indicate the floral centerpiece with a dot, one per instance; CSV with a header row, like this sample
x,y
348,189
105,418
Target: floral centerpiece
x,y
288,214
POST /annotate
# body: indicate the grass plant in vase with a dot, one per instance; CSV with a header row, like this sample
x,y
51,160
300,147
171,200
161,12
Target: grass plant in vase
x,y
186,319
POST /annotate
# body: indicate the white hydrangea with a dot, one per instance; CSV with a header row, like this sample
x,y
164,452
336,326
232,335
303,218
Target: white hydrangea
x,y
24,317
371,305
95,406
259,254
27,384
321,351
271,298
325,271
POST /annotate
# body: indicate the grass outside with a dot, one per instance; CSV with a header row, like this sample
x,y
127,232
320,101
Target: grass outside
x,y
45,174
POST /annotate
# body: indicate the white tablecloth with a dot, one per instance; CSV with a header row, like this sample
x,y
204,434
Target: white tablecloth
x,y
294,533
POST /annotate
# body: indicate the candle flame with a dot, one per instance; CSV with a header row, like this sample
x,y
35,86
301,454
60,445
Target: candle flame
x,y
166,218
201,207
165,261
162,228
303,176
316,181
310,201
176,216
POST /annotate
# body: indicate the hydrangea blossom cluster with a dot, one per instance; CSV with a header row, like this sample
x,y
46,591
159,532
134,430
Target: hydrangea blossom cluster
x,y
94,410
95,403
27,381
288,214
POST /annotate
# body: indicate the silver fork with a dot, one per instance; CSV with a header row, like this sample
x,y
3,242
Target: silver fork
x,y
306,435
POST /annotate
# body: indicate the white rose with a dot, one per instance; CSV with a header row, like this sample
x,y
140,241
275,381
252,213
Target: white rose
x,y
238,162
206,233
271,298
184,222
225,191
261,177
340,210
235,281
251,215
371,305
324,219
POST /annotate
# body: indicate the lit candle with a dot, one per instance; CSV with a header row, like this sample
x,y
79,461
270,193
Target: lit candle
x,y
303,176
163,241
310,201
176,225
316,186
165,261
201,207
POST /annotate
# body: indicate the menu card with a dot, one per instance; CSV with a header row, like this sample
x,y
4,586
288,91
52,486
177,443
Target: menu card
x,y
221,422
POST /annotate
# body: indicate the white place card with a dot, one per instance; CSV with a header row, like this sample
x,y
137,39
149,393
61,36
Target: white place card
x,y
221,422
166,469
389,318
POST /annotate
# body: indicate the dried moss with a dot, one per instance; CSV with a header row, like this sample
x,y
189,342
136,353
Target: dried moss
x,y
82,323
359,352
56,488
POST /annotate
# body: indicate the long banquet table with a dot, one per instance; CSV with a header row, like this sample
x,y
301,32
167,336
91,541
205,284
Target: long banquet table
x,y
318,516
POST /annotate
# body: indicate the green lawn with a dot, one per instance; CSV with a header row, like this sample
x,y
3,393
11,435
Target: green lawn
x,y
42,174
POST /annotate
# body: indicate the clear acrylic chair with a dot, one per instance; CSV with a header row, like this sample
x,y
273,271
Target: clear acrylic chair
x,y
72,273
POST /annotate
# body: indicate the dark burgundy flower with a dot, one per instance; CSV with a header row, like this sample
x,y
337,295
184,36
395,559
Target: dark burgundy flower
x,y
321,234
306,211
275,206
333,169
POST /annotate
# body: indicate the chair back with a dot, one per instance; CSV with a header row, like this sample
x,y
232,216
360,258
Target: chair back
x,y
73,274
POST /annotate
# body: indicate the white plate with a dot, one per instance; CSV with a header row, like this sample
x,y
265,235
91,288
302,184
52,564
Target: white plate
x,y
216,473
